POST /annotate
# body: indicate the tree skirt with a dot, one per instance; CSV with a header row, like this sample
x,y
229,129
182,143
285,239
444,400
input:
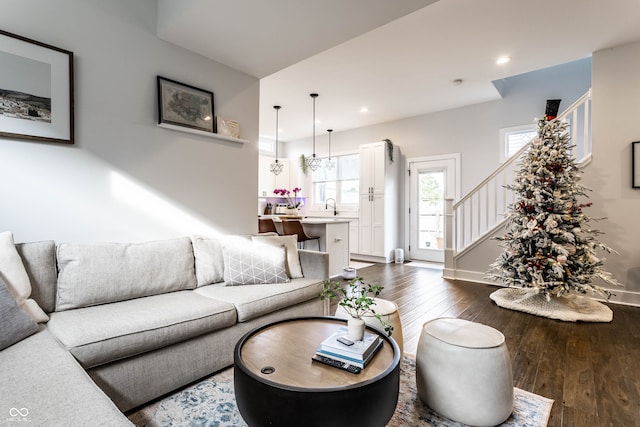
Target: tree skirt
x,y
570,308
211,402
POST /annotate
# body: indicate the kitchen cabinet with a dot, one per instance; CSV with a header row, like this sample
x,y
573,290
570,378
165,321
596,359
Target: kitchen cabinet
x,y
378,224
354,231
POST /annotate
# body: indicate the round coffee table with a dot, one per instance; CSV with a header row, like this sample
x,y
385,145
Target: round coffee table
x,y
277,383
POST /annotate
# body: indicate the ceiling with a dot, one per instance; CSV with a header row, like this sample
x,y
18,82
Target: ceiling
x,y
397,58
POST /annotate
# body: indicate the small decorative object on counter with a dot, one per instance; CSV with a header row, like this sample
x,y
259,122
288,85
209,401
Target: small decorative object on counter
x,y
357,299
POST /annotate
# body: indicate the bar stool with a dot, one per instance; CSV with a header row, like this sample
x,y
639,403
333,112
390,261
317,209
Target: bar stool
x,y
266,225
294,227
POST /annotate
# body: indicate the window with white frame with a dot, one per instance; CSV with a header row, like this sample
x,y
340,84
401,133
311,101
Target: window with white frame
x,y
514,138
341,183
267,146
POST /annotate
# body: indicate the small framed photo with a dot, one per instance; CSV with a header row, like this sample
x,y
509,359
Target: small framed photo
x,y
36,90
184,106
635,164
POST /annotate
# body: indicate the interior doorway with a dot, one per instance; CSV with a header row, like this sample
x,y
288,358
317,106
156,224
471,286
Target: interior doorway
x,y
431,180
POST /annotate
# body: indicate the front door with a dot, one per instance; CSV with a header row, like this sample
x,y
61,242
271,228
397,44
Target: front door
x,y
431,181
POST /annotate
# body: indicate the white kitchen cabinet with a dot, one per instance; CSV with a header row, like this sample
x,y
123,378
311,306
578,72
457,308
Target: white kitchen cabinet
x,y
334,239
378,233
354,233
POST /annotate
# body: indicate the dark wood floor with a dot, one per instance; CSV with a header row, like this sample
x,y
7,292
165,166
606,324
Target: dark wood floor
x,y
591,370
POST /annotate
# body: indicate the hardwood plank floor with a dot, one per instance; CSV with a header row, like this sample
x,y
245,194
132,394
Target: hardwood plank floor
x,y
591,370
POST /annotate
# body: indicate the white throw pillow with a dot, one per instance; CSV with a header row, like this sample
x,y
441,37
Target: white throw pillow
x,y
294,269
15,276
254,265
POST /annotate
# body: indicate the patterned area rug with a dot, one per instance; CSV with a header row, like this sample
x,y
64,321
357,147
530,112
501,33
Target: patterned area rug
x,y
211,402
570,308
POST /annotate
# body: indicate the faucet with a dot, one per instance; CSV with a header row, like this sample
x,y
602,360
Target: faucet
x,y
326,205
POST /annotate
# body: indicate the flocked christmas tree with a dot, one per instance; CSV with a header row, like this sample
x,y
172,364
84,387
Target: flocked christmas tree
x,y
549,244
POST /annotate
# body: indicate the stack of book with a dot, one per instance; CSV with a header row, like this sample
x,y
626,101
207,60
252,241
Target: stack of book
x,y
357,354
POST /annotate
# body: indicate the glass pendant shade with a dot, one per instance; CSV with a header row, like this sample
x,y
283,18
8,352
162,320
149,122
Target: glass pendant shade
x,y
276,167
313,162
329,164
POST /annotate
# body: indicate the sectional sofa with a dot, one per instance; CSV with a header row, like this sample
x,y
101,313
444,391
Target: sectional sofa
x,y
128,323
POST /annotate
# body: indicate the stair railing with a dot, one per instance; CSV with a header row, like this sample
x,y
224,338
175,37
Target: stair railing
x,y
484,209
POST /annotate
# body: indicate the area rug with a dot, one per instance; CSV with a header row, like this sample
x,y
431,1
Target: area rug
x,y
211,402
570,308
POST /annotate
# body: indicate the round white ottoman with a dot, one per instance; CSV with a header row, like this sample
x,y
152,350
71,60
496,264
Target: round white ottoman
x,y
463,371
389,312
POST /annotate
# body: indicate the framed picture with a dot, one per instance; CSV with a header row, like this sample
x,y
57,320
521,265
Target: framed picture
x,y
36,90
635,164
185,106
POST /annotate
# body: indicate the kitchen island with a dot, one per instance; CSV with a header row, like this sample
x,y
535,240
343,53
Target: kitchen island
x,y
334,239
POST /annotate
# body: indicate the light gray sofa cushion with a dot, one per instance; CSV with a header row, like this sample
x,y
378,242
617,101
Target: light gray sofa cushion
x,y
209,259
98,273
39,259
16,324
294,269
43,381
252,301
104,333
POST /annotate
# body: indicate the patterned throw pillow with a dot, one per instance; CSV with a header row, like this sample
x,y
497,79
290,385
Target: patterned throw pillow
x,y
249,265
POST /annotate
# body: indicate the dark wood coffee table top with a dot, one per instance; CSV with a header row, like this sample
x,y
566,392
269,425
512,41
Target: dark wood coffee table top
x,y
287,348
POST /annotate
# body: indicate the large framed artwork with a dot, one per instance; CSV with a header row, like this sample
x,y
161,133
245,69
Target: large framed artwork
x,y
185,107
635,164
36,90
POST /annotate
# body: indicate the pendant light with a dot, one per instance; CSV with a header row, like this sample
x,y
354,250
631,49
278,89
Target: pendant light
x,y
276,167
313,162
329,164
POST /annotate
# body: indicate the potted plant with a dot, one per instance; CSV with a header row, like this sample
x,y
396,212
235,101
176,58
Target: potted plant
x,y
357,299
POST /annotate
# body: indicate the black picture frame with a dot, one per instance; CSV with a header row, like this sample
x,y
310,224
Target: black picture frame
x,y
635,164
36,90
185,107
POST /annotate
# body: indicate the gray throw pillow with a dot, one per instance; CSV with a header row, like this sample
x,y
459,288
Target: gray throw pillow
x,y
254,265
16,324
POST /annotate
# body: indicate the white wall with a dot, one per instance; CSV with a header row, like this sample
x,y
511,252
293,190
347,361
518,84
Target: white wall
x,y
125,179
616,91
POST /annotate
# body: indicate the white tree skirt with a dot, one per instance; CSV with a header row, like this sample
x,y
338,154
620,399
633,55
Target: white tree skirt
x,y
570,308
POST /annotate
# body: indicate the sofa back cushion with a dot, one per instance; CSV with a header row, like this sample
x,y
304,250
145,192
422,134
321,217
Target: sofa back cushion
x,y
98,273
39,259
209,259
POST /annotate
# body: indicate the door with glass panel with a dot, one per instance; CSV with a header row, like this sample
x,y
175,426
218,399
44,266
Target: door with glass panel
x,y
431,181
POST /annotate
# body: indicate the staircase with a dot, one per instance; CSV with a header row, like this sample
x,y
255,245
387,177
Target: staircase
x,y
481,213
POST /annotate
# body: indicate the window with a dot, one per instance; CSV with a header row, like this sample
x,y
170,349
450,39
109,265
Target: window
x,y
341,183
513,139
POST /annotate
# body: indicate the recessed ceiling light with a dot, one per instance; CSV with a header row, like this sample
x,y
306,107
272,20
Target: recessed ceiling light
x,y
364,110
503,60
457,82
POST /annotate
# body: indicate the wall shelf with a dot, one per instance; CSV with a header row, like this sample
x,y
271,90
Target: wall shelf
x,y
199,132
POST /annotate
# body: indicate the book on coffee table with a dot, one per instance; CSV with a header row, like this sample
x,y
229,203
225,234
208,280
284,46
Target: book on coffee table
x,y
359,353
360,362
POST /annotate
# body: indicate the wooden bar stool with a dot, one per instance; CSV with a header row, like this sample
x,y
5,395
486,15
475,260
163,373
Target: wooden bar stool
x,y
266,225
294,227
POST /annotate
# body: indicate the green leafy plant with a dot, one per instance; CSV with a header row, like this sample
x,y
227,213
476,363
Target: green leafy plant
x,y
303,164
357,299
389,149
